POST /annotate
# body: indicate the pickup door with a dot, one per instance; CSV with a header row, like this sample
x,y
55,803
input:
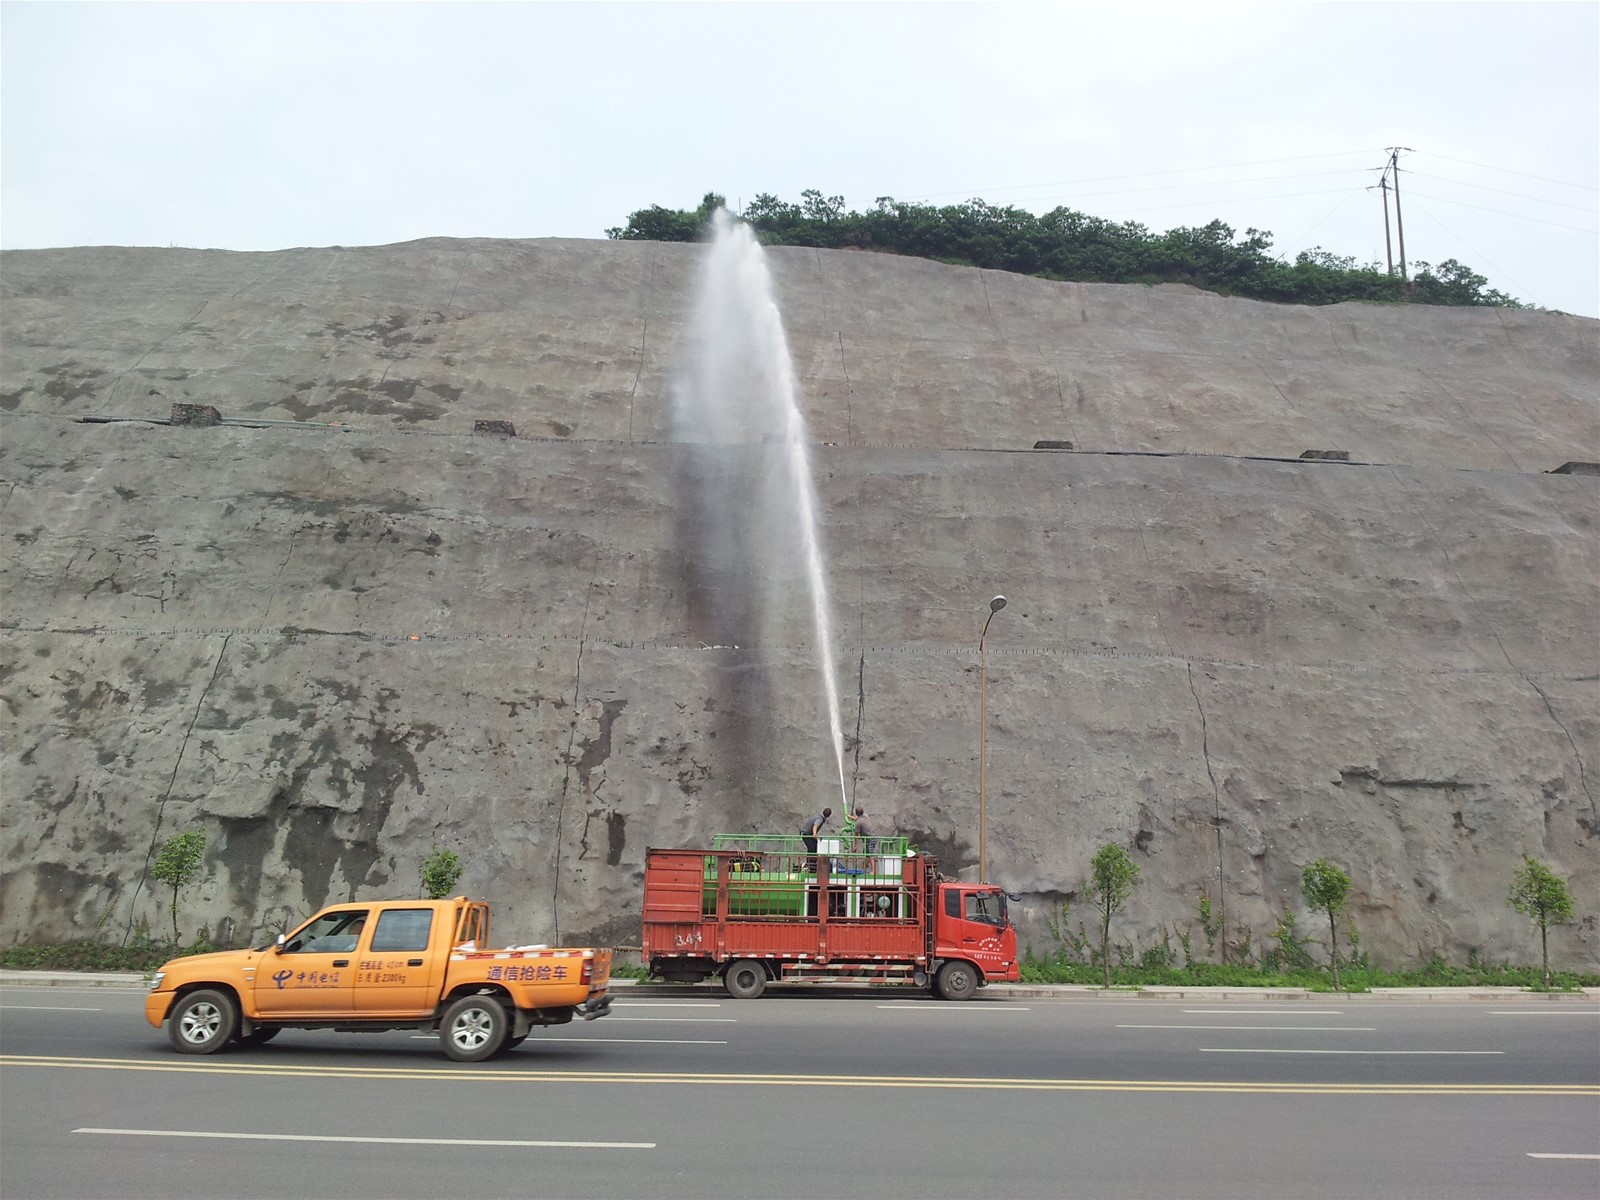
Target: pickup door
x,y
312,974
400,968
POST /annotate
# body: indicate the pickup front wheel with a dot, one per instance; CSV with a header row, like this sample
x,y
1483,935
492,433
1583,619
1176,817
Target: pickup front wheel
x,y
473,1029
202,1022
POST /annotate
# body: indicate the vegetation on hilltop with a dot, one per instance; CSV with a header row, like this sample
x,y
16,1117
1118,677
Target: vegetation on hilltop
x,y
1067,245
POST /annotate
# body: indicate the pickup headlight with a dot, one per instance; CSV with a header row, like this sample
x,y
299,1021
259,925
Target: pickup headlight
x,y
155,982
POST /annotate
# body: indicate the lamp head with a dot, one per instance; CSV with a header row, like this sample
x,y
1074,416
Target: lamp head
x,y
997,604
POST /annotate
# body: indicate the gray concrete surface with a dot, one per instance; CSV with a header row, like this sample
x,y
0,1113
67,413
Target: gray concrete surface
x,y
342,628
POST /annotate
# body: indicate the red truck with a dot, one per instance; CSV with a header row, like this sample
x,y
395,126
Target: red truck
x,y
760,909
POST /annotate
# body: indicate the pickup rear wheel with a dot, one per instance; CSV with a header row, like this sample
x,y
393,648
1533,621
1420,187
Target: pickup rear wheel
x,y
474,1028
957,981
202,1022
745,979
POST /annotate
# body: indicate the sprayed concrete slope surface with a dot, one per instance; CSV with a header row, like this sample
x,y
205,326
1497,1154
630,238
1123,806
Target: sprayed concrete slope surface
x,y
343,628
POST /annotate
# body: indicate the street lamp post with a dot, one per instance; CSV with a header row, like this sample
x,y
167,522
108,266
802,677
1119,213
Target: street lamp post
x,y
995,606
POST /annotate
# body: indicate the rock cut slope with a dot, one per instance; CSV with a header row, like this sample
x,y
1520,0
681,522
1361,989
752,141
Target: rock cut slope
x,y
353,622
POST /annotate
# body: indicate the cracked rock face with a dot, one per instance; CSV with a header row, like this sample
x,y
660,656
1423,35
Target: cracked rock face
x,y
430,582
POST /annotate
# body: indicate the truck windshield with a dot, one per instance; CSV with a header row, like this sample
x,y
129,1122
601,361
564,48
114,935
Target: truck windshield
x,y
988,907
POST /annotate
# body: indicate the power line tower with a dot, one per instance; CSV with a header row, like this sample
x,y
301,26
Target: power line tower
x,y
1391,178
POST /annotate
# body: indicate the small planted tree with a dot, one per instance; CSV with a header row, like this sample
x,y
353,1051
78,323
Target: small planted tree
x,y
1538,892
1114,875
440,871
178,863
1325,888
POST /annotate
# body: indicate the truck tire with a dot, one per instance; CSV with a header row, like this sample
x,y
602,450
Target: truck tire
x,y
957,981
473,1029
745,979
202,1022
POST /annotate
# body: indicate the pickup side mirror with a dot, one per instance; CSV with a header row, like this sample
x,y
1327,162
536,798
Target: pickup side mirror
x,y
278,946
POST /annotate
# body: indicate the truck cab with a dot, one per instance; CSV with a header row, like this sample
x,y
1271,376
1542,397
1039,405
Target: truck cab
x,y
972,929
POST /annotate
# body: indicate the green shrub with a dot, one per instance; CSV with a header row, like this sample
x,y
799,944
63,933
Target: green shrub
x,y
141,954
440,872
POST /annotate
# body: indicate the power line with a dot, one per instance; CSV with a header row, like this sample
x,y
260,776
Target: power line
x,y
1167,187
1236,200
1543,178
1586,208
1297,241
1263,162
1503,213
1482,257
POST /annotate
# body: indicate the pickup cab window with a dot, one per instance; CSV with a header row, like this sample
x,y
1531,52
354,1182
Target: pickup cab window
x,y
402,929
331,933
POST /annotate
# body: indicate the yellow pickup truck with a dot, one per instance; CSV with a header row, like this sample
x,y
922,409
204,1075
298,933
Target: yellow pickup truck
x,y
391,964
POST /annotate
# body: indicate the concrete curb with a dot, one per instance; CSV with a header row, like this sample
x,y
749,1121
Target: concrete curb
x,y
132,981
75,979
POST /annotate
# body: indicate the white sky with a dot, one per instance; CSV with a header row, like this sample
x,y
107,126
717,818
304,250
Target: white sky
x,y
261,126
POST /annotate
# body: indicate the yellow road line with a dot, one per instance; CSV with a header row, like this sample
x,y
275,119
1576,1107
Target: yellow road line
x,y
468,1074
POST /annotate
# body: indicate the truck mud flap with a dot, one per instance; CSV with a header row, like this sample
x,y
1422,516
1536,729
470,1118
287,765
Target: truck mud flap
x,y
597,1007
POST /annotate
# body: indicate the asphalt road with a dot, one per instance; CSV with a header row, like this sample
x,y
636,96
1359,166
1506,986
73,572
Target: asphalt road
x,y
700,1095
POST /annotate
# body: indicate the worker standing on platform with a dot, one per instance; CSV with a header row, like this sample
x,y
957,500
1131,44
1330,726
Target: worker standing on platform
x,y
854,831
810,831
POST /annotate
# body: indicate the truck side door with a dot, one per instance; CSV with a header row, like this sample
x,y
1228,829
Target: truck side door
x,y
400,968
973,925
312,974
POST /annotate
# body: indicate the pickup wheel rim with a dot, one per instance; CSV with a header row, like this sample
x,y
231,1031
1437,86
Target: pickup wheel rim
x,y
472,1029
201,1024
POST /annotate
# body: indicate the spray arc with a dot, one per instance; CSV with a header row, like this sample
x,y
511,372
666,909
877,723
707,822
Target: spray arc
x,y
738,389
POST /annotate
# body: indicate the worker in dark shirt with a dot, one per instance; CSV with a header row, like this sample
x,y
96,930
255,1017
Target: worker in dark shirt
x,y
809,831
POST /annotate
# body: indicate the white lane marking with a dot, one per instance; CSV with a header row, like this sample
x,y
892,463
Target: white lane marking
x,y
955,1007
1279,1028
1529,1012
682,1020
664,1004
645,1041
1268,1050
50,1008
375,1141
430,1037
1584,1157
1265,1012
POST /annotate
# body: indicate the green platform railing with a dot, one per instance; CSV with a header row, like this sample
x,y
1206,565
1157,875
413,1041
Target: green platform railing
x,y
774,875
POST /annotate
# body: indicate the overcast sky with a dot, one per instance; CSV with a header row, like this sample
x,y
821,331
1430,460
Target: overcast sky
x,y
262,126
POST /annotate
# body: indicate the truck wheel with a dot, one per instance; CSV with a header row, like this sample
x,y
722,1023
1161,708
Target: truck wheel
x,y
473,1029
957,981
745,979
202,1022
